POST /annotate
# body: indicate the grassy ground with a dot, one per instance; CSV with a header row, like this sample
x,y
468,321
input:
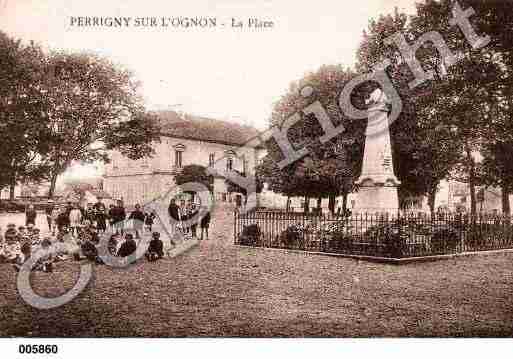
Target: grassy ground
x,y
220,290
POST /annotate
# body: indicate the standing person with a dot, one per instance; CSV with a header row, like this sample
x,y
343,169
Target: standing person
x,y
138,218
62,220
48,212
118,217
184,211
109,217
174,215
101,215
68,208
205,223
75,219
149,220
89,213
54,215
193,212
30,215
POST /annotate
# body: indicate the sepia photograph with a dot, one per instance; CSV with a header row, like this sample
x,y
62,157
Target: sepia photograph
x,y
255,169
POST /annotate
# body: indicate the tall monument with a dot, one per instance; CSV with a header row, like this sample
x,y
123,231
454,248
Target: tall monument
x,y
377,183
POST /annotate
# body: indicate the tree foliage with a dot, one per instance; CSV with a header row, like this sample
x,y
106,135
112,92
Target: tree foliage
x,y
195,173
22,113
330,168
95,108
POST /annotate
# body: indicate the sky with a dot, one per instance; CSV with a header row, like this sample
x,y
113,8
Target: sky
x,y
223,72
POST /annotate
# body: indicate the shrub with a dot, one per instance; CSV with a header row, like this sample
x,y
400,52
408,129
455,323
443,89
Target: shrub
x,y
340,241
250,235
445,239
392,235
292,236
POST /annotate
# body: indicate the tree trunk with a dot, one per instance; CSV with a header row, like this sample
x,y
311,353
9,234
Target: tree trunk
x,y
331,203
344,203
12,187
53,183
307,204
472,182
319,204
506,209
287,209
432,200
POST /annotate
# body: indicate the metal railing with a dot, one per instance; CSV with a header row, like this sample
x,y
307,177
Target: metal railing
x,y
378,235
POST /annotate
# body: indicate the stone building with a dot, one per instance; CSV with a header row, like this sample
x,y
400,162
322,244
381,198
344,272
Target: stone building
x,y
185,140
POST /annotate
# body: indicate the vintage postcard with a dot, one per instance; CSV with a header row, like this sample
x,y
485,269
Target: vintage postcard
x,y
255,169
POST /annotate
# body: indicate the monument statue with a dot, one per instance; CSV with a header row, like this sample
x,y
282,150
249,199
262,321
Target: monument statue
x,y
378,99
377,183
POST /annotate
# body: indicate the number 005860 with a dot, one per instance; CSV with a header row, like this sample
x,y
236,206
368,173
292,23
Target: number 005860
x,y
37,349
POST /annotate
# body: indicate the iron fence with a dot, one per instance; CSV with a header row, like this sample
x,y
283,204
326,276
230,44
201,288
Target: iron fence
x,y
378,235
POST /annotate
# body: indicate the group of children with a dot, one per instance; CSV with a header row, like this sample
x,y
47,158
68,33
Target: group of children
x,y
17,245
73,216
186,212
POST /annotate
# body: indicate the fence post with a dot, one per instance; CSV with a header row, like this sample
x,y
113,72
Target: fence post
x,y
235,222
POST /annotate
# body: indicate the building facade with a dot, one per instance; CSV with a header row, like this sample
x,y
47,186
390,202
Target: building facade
x,y
184,140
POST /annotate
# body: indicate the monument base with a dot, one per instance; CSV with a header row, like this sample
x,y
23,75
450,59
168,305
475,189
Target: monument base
x,y
377,199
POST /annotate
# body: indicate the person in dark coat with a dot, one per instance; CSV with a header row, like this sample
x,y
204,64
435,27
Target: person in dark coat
x,y
30,215
89,213
156,248
112,245
193,211
138,217
205,224
62,220
48,212
174,210
149,219
128,247
174,215
118,216
101,215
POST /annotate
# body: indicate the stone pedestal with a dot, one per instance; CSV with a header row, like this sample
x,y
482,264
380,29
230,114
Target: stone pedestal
x,y
377,183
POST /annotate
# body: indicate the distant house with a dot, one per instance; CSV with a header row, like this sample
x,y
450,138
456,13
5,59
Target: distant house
x,y
185,140
5,192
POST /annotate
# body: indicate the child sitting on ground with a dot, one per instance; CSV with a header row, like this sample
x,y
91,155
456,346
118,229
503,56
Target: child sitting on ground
x,y
22,232
156,248
45,262
34,237
128,247
113,244
12,245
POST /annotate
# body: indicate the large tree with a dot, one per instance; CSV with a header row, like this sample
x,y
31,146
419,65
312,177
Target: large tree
x,y
469,89
330,168
22,113
94,108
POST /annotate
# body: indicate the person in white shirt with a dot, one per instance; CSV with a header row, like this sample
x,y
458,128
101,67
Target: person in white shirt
x,y
75,219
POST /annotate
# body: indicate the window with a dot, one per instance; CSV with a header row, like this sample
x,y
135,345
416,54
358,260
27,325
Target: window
x,y
229,154
179,149
211,159
178,159
244,164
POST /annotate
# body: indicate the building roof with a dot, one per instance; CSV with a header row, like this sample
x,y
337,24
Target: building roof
x,y
199,128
